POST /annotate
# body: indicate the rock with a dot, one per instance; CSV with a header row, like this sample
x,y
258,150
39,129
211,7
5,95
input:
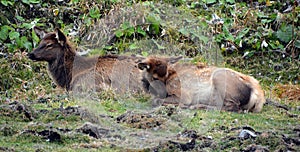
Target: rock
x,y
6,149
94,130
256,148
17,109
245,134
51,136
188,134
175,146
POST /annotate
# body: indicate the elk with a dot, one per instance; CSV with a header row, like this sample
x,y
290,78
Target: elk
x,y
201,86
69,70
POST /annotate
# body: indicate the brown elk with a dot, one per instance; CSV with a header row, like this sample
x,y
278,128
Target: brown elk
x,y
201,86
69,70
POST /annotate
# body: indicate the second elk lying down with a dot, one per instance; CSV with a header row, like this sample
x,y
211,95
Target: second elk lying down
x,y
201,86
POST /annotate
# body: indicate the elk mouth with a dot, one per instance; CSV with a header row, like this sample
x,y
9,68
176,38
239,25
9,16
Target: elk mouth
x,y
32,57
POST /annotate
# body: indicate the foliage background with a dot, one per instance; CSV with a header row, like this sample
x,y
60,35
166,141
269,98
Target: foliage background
x,y
258,37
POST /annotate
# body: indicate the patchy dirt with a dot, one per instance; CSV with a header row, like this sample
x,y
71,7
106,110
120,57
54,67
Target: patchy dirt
x,y
48,135
161,129
141,121
19,110
262,141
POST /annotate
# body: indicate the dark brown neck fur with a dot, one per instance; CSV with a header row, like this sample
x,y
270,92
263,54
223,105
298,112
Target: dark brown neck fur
x,y
61,68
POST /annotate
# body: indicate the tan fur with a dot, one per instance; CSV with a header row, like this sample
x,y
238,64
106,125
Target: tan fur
x,y
201,86
74,72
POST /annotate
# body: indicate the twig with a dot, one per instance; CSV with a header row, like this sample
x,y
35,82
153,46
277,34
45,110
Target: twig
x,y
276,104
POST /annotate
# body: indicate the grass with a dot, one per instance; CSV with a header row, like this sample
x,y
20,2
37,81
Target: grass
x,y
28,83
44,104
219,125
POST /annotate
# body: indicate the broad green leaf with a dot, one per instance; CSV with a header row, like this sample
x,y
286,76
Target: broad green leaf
x,y
27,25
13,35
133,46
35,38
285,33
75,1
19,42
26,1
20,18
258,44
219,37
145,53
95,12
273,45
129,31
152,18
108,47
228,35
119,33
155,23
11,47
209,1
230,1
34,1
31,1
7,2
154,28
242,33
297,44
4,32
4,2
25,43
184,31
262,15
141,31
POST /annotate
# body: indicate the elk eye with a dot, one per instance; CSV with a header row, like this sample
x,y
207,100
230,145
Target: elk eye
x,y
49,45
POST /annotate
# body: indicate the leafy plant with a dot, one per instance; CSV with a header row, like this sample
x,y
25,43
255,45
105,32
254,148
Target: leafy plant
x,y
95,12
31,1
7,2
285,33
125,30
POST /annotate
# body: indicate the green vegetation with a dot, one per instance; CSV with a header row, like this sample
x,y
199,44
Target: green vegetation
x,y
257,37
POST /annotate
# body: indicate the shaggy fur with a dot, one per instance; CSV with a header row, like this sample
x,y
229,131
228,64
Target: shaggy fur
x,y
201,86
70,70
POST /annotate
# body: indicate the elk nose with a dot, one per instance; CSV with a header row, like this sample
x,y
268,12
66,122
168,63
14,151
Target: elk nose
x,y
30,56
154,78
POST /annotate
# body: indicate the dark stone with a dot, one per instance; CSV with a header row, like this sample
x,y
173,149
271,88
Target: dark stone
x,y
94,130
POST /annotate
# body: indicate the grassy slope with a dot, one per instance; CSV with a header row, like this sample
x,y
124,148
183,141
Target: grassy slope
x,y
43,101
271,124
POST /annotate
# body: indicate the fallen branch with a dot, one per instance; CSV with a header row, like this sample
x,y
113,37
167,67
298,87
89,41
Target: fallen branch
x,y
276,104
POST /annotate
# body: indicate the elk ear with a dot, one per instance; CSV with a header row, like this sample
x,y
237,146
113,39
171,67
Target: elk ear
x,y
143,65
60,36
39,32
173,60
161,70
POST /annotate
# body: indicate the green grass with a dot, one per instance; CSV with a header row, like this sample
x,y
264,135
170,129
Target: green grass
x,y
216,124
